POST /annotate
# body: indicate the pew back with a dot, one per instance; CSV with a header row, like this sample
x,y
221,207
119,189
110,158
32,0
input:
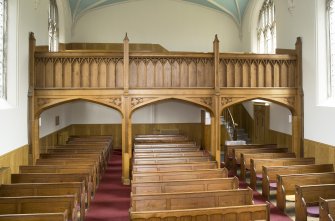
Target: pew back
x,y
191,200
327,209
231,213
179,175
61,216
185,186
175,167
286,184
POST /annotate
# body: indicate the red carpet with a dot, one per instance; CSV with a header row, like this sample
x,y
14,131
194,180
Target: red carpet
x,y
275,213
112,199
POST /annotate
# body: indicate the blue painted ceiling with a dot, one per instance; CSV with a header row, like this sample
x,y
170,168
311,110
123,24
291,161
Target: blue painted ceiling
x,y
234,8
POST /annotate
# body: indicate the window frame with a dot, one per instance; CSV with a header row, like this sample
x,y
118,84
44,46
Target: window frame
x,y
3,68
266,28
330,11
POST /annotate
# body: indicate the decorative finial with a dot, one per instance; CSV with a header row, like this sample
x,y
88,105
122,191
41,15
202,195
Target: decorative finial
x,y
126,37
216,39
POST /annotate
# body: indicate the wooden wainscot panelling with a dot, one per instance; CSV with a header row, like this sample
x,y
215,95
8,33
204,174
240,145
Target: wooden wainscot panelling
x,y
281,139
15,158
323,153
99,129
5,175
56,138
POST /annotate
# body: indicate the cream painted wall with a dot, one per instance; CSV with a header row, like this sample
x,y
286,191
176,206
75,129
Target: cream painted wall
x,y
48,119
23,18
176,25
319,120
82,112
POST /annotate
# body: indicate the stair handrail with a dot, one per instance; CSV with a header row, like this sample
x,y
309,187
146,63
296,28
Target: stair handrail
x,y
233,124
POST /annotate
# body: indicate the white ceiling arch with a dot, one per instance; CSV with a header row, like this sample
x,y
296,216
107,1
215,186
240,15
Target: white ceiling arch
x,y
234,8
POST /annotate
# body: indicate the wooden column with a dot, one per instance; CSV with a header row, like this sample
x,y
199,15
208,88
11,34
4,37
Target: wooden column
x,y
298,116
216,50
126,122
33,124
35,132
126,64
216,120
125,141
215,131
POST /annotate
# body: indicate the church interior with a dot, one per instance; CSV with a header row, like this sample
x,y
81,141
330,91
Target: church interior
x,y
167,110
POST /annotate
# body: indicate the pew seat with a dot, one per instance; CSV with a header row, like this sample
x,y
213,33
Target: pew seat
x,y
256,166
286,184
327,209
307,199
247,157
269,174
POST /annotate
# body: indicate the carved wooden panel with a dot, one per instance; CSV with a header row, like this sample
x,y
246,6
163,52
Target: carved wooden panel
x,y
257,71
166,72
66,71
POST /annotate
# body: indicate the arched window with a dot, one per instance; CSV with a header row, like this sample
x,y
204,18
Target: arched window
x,y
331,48
53,26
3,48
266,28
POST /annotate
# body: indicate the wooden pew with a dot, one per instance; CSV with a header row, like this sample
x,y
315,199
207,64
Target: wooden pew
x,y
257,166
47,189
55,178
228,151
238,152
231,213
171,154
89,162
286,184
84,148
179,175
327,209
60,169
40,204
174,167
185,186
186,144
160,138
246,160
307,199
165,150
269,174
97,157
190,200
61,216
171,160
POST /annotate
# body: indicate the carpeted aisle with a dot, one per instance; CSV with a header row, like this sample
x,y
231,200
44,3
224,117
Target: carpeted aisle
x,y
112,199
275,213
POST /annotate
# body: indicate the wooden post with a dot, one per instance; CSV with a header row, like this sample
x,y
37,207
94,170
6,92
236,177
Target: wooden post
x,y
32,133
126,64
35,139
215,131
126,123
298,117
216,50
125,141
